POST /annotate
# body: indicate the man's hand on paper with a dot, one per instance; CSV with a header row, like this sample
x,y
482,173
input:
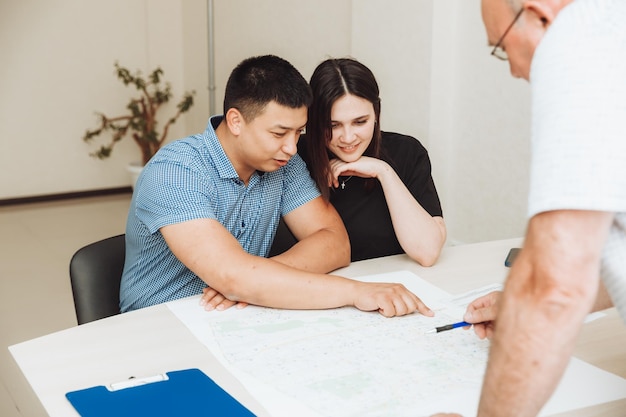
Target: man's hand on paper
x,y
389,299
213,300
482,314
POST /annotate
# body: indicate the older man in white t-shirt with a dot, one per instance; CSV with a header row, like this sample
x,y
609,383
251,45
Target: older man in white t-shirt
x,y
574,55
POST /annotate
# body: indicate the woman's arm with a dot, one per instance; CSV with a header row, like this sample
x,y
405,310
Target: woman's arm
x,y
421,235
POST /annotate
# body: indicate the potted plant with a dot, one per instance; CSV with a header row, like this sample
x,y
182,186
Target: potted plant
x,y
140,119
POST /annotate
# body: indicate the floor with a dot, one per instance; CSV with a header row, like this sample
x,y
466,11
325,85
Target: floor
x,y
36,243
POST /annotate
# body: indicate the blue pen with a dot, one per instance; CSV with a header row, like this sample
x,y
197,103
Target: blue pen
x,y
449,327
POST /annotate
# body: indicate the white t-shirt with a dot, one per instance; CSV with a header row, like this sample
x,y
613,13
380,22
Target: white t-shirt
x,y
578,81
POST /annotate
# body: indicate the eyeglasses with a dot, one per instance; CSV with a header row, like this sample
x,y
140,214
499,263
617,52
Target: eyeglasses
x,y
497,51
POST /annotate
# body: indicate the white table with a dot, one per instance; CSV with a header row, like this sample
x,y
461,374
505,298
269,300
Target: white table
x,y
153,341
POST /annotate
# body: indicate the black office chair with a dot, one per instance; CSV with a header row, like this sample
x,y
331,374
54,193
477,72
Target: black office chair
x,y
95,274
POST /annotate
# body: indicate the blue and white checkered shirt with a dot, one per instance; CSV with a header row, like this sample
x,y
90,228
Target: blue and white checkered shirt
x,y
189,179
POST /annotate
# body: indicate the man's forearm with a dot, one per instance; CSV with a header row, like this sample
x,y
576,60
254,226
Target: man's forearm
x,y
530,350
603,300
550,289
322,252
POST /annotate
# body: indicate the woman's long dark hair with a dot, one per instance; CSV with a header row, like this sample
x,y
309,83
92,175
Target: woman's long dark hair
x,y
331,80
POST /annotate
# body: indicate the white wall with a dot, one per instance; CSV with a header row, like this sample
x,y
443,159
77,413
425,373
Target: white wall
x,y
57,70
479,128
394,39
195,64
438,83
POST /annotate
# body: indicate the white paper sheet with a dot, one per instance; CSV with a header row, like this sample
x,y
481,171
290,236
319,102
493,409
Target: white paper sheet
x,y
345,362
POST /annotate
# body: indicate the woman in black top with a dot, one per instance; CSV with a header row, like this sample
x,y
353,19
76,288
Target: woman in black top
x,y
379,182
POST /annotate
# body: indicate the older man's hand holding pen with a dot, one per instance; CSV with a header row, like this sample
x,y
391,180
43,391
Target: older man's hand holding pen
x,y
481,313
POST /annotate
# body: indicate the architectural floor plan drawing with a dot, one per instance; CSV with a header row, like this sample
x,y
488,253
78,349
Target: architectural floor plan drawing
x,y
346,363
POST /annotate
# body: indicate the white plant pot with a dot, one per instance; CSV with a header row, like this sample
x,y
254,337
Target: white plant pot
x,y
134,168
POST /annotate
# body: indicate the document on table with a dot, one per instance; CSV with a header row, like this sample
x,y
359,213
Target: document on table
x,y
345,362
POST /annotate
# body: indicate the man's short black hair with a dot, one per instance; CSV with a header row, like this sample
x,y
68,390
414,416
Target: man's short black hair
x,y
256,81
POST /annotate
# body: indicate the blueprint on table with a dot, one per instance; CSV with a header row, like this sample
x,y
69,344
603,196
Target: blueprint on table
x,y
344,362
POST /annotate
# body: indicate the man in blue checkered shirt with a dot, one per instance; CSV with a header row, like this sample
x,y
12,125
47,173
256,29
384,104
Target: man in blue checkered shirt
x,y
206,208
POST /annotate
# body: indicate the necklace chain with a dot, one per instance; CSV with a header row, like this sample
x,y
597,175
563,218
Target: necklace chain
x,y
343,183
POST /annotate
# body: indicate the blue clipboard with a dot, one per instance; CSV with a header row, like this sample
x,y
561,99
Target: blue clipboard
x,y
188,392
